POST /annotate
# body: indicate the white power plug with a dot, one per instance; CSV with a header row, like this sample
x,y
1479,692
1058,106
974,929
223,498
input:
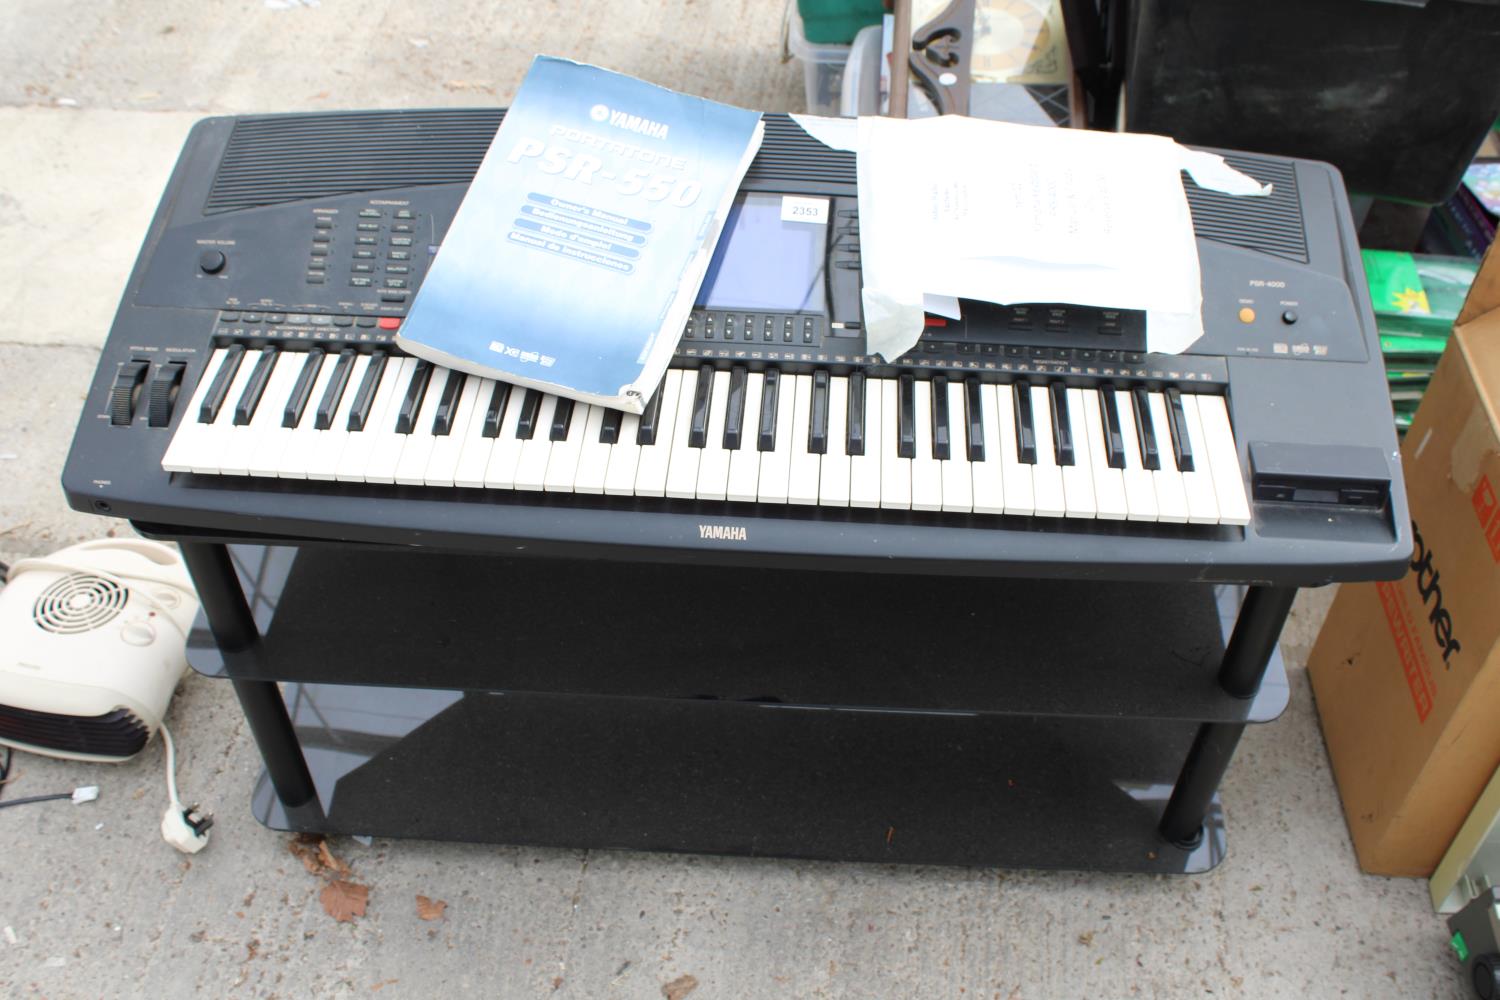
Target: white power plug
x,y
184,828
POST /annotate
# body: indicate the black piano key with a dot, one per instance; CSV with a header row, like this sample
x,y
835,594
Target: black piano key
x,y
855,422
442,420
974,413
244,410
291,416
411,400
766,436
1114,439
359,413
333,393
734,415
208,411
942,441
562,419
1182,450
1062,427
1025,428
494,410
817,431
650,420
531,405
609,427
1145,431
906,416
702,399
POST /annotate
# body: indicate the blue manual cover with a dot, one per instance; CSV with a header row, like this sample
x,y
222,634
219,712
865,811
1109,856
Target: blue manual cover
x,y
573,261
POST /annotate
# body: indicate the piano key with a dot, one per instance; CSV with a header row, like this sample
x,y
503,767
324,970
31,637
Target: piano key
x,y
987,472
609,426
895,471
494,410
926,471
536,446
697,432
474,439
414,397
1145,428
1223,460
817,435
906,420
734,414
864,464
369,387
650,417
312,367
770,390
562,419
1078,477
329,449
383,440
562,461
411,468
1171,498
1198,484
249,398
744,462
217,388
776,464
857,417
974,417
1140,490
802,470
941,438
1046,474
1109,481
1020,497
456,421
231,446
593,457
624,457
833,467
1110,427
1025,423
268,436
651,467
302,445
186,442
1182,449
957,474
713,457
505,448
682,463
1062,423
333,393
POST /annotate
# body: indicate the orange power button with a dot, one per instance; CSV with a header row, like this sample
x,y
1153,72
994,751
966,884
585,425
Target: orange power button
x,y
1247,315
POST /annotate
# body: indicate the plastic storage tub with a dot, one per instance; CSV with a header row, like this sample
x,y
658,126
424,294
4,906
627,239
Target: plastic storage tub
x,y
822,66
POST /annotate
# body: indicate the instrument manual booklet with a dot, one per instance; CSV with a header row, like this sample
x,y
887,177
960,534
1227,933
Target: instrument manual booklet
x,y
572,264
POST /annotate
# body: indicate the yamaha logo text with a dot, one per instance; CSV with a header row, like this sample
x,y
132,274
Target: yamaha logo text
x,y
631,123
722,532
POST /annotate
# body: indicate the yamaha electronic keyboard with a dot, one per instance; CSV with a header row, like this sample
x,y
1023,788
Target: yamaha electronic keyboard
x,y
251,387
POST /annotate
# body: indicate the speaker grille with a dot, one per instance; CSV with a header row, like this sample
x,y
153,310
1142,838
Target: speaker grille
x,y
78,602
1271,225
115,734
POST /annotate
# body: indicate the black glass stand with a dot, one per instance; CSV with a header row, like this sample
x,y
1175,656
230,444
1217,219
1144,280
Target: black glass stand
x,y
829,715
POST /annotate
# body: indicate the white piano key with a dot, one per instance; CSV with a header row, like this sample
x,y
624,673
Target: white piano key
x,y
624,457
1224,461
271,439
505,447
926,473
1078,478
1140,491
593,456
328,450
776,464
1020,491
473,447
833,469
1203,506
411,469
562,462
531,466
235,445
385,444
1171,497
655,458
957,475
442,463
682,467
1046,474
302,440
802,472
186,441
713,463
895,471
864,470
1109,482
989,476
744,462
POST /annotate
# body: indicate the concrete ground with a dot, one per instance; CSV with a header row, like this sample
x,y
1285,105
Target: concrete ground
x,y
94,101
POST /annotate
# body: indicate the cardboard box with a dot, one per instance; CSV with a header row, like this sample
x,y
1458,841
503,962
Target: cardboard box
x,y
1407,674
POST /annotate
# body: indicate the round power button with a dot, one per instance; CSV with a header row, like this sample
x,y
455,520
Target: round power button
x,y
1247,315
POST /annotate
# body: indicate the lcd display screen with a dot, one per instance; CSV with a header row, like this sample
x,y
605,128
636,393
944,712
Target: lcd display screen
x,y
764,263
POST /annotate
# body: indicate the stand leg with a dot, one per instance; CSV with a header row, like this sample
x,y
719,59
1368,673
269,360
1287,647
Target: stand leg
x,y
1245,659
234,630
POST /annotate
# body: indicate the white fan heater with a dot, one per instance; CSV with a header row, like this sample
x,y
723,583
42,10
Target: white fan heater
x,y
93,640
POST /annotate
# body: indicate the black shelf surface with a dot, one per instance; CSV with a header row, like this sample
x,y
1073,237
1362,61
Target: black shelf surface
x,y
402,618
739,778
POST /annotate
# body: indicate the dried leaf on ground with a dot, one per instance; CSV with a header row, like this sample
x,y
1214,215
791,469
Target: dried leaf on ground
x,y
679,987
343,901
330,862
312,850
430,909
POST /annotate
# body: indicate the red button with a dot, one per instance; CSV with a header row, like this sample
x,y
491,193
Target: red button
x,y
390,323
936,321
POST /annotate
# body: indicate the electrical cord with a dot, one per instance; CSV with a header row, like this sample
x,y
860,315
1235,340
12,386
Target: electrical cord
x,y
184,828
